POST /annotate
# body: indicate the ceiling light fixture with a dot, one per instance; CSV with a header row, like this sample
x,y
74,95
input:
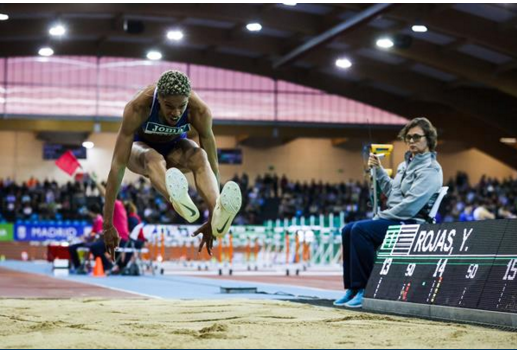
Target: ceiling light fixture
x,y
343,63
154,55
57,30
46,51
4,17
175,35
290,3
254,27
384,43
419,28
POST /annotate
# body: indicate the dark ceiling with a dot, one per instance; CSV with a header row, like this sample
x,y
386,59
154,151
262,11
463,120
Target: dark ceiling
x,y
461,73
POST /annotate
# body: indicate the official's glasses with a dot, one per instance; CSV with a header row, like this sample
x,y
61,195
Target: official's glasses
x,y
414,137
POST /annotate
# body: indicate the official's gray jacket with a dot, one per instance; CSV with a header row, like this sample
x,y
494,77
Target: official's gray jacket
x,y
414,184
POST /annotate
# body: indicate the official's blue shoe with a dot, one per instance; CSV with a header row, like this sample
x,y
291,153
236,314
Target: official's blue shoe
x,y
357,301
349,294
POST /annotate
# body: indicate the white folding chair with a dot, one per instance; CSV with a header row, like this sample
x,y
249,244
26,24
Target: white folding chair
x,y
436,205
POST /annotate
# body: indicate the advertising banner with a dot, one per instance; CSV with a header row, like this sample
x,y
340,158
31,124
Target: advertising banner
x,y
6,232
48,232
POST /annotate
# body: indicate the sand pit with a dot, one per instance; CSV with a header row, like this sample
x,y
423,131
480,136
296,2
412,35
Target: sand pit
x,y
236,323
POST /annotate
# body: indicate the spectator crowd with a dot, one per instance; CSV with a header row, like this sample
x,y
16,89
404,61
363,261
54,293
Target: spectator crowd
x,y
37,200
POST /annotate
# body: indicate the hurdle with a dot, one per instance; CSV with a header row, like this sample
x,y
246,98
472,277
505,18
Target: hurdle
x,y
281,247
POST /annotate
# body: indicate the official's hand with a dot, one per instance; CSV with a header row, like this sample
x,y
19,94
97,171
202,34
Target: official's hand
x,y
111,240
208,238
373,161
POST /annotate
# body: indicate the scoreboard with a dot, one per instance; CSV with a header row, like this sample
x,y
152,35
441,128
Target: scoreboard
x,y
428,270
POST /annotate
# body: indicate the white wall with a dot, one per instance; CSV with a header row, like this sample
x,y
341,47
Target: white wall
x,y
21,156
454,157
302,159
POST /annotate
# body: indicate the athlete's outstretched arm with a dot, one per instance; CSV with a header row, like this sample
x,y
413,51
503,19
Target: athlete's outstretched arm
x,y
118,166
202,122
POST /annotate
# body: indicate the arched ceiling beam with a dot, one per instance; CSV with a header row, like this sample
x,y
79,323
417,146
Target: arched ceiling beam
x,y
305,23
476,29
498,115
325,37
458,64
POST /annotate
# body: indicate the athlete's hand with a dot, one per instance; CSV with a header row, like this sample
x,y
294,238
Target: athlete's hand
x,y
208,238
111,240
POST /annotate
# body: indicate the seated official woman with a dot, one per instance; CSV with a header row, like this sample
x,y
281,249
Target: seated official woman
x,y
417,179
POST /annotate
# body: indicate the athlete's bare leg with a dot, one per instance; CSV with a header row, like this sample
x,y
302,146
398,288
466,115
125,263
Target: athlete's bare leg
x,y
188,156
147,162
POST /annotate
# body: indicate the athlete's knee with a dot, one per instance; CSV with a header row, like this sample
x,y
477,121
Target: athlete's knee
x,y
153,159
197,158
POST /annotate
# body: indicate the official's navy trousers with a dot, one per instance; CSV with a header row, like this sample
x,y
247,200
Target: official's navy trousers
x,y
360,242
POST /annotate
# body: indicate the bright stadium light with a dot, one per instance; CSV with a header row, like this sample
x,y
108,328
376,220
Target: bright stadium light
x,y
175,35
46,51
343,63
254,27
154,55
385,43
57,30
418,28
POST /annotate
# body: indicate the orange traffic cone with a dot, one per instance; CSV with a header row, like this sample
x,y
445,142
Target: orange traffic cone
x,y
98,269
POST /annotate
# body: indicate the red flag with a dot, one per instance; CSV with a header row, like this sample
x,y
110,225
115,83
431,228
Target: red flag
x,y
68,163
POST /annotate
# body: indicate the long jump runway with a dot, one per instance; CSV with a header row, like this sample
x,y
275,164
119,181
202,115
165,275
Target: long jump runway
x,y
186,287
38,310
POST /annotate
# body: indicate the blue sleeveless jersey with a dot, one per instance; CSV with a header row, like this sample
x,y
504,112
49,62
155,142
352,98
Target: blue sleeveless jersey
x,y
161,136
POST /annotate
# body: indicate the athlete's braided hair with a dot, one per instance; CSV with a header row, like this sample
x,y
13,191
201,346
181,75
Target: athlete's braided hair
x,y
173,82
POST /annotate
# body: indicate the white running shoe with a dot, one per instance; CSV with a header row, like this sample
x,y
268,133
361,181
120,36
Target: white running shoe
x,y
177,186
226,207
